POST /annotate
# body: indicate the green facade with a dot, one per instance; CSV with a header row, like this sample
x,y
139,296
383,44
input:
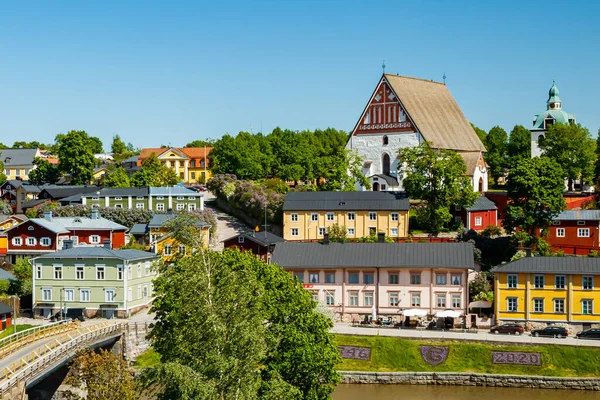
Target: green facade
x,y
155,203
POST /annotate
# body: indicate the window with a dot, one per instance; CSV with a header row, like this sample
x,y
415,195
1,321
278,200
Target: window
x,y
46,294
583,232
160,207
94,239
415,300
440,279
314,217
58,272
560,232
118,198
322,231
456,301
512,304
538,305
120,272
160,197
147,265
394,216
315,295
512,281
354,298
330,298
385,139
588,283
180,198
580,222
294,231
393,279
587,307
31,228
368,278
118,205
139,206
139,270
330,216
129,272
45,241
441,300
139,292
294,217
351,216
31,241
559,306
139,197
477,221
394,232
180,250
75,240
457,208
555,222
329,277
394,299
313,277
99,272
456,280
372,216
353,277
109,295
167,251
368,297
299,276
38,272
69,295
415,279
538,281
17,241
350,231
129,294
559,282
180,206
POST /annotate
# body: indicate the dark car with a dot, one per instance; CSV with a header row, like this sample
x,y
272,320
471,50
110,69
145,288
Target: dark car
x,y
592,333
71,313
551,331
511,329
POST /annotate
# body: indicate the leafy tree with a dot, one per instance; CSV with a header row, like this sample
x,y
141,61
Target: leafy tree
x,y
437,177
5,207
117,179
201,143
3,177
23,283
337,233
573,149
519,145
597,167
153,173
496,143
118,146
76,156
480,133
535,196
44,173
96,146
3,146
481,284
103,375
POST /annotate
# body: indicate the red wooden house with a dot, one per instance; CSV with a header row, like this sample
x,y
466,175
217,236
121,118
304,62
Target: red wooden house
x,y
575,231
261,244
6,314
480,215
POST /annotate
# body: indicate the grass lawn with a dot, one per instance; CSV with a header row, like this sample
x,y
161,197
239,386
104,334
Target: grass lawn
x,y
149,358
390,354
11,329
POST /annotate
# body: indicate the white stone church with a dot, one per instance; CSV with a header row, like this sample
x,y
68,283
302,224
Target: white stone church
x,y
404,112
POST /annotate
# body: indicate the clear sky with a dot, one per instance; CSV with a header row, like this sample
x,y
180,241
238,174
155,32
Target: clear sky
x,y
171,72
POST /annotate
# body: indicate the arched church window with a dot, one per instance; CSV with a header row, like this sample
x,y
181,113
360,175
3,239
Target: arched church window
x,y
386,164
540,139
385,140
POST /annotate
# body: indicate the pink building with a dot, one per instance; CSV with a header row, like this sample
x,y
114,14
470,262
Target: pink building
x,y
356,278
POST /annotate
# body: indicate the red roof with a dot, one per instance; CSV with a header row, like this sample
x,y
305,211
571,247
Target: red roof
x,y
190,152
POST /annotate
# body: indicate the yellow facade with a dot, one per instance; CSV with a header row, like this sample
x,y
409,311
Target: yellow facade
x,y
578,301
3,245
305,225
17,173
169,248
189,172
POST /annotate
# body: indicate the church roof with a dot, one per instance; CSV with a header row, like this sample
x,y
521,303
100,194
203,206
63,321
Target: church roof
x,y
471,160
557,115
436,114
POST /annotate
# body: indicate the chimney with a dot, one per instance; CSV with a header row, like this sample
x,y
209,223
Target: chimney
x,y
48,216
528,252
67,244
95,214
106,244
381,237
326,238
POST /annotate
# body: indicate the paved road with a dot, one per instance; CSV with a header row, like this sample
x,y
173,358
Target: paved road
x,y
347,329
227,225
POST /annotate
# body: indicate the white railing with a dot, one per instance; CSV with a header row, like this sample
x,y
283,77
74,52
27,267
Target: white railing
x,y
14,342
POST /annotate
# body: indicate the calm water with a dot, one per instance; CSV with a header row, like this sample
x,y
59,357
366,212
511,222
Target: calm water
x,y
422,392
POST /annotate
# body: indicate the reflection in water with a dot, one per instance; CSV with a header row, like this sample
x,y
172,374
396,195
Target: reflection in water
x,y
423,392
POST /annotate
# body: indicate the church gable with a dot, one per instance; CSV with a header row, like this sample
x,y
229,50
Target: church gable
x,y
384,113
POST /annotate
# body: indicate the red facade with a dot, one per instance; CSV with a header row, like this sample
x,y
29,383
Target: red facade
x,y
5,321
574,237
258,250
27,230
117,238
479,220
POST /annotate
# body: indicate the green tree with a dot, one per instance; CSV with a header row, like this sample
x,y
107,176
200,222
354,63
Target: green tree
x,y
496,143
76,156
437,177
519,145
118,146
117,179
480,133
153,173
96,146
201,143
535,196
22,285
337,233
3,177
5,207
597,168
44,172
573,149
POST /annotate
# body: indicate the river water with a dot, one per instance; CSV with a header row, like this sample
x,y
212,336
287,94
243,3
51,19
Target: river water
x,y
424,392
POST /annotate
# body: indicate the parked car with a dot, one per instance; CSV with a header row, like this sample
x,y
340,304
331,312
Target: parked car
x,y
512,329
71,313
551,331
593,333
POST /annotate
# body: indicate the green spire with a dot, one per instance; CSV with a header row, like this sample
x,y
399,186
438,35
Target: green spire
x,y
553,95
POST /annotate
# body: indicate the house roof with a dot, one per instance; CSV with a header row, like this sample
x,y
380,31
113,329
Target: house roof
x,y
173,190
4,274
6,217
330,201
436,114
76,198
158,220
482,204
551,265
389,180
263,238
358,255
59,192
190,152
112,192
132,159
578,215
95,252
138,229
5,309
18,157
33,203
67,224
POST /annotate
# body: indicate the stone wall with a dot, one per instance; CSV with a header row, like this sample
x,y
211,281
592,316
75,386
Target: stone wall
x,y
471,379
133,342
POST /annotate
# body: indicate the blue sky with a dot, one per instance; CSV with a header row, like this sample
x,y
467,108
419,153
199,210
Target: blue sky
x,y
171,72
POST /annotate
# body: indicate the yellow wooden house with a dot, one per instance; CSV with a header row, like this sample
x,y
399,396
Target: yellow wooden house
x,y
163,243
549,290
308,215
189,163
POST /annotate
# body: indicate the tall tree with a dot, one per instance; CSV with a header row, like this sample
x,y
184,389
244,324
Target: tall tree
x,y
3,177
118,146
437,177
117,179
44,172
96,145
572,147
535,196
153,173
481,133
201,143
495,143
519,145
76,156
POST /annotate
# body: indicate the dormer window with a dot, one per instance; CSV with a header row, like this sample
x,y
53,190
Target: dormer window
x,y
548,122
77,220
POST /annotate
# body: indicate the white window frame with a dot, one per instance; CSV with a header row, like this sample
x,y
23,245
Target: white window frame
x,y
180,206
564,282
560,232
118,198
394,232
368,299
46,290
314,217
440,300
147,268
415,299
17,241
160,206
512,285
160,197
456,301
294,217
191,206
590,307
38,272
165,252
57,273
82,297
559,304
139,270
139,197
78,270
129,272
395,216
179,251
510,300
100,269
581,223
140,206
95,239
110,298
583,285
66,297
32,240
535,281
330,298
351,232
353,299
241,239
583,232
537,302
478,221
322,231
313,277
45,241
139,292
393,299
120,274
295,232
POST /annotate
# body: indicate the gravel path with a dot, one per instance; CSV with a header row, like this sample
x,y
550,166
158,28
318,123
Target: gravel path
x,y
227,225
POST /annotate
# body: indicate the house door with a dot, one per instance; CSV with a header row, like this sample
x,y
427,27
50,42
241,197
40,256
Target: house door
x,y
376,187
109,314
386,164
46,312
